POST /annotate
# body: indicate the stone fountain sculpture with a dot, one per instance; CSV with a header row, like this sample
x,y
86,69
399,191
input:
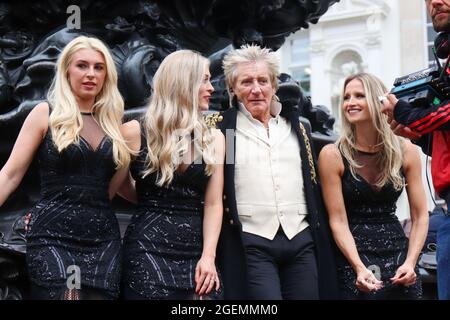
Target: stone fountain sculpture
x,y
140,33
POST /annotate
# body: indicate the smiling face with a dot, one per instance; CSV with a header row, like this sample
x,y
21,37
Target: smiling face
x,y
355,107
206,89
254,89
86,73
439,11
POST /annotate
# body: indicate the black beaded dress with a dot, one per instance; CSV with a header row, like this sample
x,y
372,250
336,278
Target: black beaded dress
x,y
73,234
379,236
164,241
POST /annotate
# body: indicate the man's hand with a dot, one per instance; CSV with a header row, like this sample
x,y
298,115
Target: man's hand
x,y
388,105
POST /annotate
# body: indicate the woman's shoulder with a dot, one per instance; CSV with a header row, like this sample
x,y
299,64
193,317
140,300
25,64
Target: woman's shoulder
x,y
130,128
41,110
219,141
39,116
411,153
407,145
330,151
409,149
131,132
217,134
330,158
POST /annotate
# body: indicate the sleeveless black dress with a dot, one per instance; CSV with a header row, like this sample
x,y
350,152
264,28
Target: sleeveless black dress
x,y
72,227
379,236
164,241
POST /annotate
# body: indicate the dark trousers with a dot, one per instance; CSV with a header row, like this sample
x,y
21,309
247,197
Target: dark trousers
x,y
443,256
281,268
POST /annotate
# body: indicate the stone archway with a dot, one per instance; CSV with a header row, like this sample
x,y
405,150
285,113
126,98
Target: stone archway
x,y
344,64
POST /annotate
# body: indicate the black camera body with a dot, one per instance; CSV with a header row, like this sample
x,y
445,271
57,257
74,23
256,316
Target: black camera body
x,y
431,86
423,88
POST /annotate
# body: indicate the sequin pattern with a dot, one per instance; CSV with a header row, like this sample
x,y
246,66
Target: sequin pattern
x,y
379,237
163,242
73,223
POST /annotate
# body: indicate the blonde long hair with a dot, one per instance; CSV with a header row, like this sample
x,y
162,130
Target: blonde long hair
x,y
173,116
65,120
391,153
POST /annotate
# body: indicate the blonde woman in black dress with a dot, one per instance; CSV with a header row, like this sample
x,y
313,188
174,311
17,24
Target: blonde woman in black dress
x,y
73,238
362,176
170,244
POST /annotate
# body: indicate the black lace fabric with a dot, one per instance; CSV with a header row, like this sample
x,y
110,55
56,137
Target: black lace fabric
x,y
73,225
370,169
164,240
379,237
91,131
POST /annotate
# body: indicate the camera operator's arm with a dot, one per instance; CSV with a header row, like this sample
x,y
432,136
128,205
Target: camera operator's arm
x,y
423,141
421,120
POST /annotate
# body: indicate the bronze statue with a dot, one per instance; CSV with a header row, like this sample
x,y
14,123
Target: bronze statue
x,y
140,33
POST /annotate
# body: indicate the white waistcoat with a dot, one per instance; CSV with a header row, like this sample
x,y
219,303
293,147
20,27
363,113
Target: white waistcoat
x,y
268,179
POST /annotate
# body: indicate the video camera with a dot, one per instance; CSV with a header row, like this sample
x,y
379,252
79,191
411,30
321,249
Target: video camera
x,y
429,86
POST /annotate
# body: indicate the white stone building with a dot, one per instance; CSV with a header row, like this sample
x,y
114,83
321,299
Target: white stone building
x,y
389,38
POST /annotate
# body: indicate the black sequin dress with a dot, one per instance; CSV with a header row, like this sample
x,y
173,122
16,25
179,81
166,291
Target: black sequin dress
x,y
73,227
379,236
163,242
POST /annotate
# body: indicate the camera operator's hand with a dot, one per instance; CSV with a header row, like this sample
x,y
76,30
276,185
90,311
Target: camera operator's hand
x,y
403,131
388,105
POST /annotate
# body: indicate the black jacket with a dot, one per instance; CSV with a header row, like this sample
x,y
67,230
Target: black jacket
x,y
434,123
230,252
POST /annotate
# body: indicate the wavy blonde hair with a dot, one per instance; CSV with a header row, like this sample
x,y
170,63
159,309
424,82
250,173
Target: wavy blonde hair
x,y
173,116
65,120
391,153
